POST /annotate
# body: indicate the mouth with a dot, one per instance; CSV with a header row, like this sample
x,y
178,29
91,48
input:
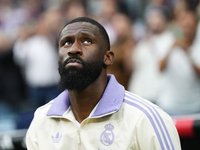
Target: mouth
x,y
73,62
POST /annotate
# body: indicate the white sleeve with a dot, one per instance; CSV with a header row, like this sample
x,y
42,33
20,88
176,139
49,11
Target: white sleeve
x,y
160,136
195,54
19,52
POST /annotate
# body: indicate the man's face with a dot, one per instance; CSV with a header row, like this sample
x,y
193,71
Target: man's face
x,y
81,55
188,24
156,21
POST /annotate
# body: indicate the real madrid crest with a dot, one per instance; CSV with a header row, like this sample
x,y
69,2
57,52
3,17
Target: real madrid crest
x,y
107,136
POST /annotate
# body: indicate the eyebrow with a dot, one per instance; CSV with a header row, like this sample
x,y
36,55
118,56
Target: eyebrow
x,y
63,38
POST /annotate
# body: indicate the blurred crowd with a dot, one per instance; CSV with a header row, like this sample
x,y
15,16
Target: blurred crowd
x,y
157,53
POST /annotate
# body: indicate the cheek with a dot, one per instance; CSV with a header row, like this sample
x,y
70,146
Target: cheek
x,y
95,54
62,55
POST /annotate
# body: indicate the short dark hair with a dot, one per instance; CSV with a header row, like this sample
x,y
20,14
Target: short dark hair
x,y
192,5
102,30
164,10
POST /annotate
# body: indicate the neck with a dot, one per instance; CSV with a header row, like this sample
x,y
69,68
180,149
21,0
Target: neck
x,y
83,102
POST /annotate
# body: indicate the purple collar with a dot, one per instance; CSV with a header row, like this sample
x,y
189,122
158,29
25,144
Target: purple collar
x,y
111,100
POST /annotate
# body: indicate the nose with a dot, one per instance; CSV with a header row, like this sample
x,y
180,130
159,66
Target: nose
x,y
75,49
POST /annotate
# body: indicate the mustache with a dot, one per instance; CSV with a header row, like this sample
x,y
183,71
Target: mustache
x,y
73,58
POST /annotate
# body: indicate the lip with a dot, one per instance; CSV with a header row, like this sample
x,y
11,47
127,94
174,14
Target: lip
x,y
73,62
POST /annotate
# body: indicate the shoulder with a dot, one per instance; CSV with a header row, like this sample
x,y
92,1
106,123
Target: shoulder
x,y
41,112
152,121
145,107
138,102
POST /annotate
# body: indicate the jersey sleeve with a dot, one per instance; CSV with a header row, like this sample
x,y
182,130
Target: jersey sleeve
x,y
157,132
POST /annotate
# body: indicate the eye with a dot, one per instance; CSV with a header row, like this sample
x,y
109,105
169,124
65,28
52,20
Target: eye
x,y
67,43
87,41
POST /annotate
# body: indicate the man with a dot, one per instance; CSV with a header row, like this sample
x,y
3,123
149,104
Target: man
x,y
95,111
35,53
180,91
146,78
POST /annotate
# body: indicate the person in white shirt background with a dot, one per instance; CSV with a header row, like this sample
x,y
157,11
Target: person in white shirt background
x,y
180,93
145,78
39,61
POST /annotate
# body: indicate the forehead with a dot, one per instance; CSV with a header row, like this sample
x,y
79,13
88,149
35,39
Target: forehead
x,y
79,27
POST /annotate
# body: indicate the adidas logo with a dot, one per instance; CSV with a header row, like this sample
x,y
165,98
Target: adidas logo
x,y
57,138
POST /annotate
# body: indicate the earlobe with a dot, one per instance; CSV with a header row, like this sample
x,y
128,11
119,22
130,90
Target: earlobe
x,y
109,58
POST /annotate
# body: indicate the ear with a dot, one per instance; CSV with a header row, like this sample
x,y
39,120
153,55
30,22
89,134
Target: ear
x,y
109,58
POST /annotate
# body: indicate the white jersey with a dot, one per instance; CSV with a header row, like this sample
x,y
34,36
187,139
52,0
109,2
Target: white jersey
x,y
121,121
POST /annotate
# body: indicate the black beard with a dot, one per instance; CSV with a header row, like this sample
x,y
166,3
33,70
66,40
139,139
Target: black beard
x,y
78,79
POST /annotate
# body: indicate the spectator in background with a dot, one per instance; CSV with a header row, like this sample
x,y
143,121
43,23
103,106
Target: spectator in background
x,y
12,86
38,58
149,51
73,9
181,69
122,48
13,14
107,10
